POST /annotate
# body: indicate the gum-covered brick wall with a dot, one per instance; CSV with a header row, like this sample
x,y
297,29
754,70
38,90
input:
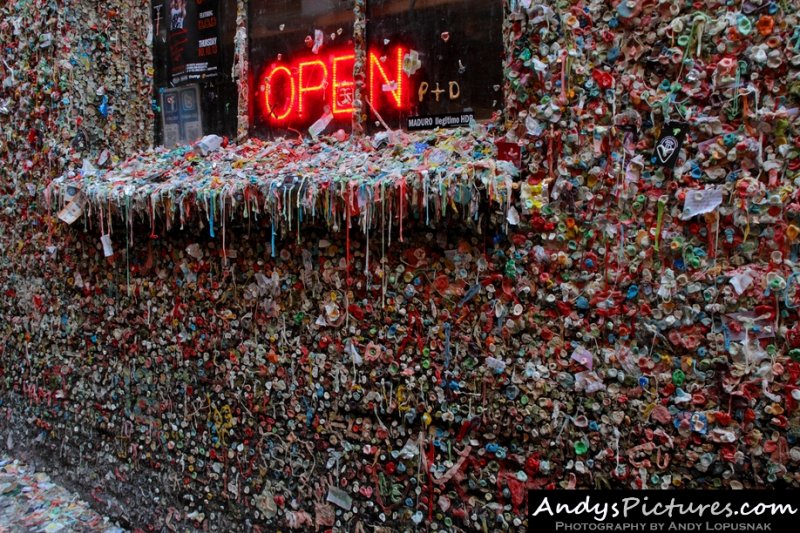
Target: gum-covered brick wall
x,y
628,319
75,84
76,81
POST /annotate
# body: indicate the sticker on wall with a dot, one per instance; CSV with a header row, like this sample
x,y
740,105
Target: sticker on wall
x,y
508,151
669,144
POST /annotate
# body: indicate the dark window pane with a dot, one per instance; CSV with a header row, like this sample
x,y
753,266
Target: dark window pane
x,y
302,68
218,92
453,51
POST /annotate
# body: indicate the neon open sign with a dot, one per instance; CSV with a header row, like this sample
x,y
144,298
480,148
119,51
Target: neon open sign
x,y
293,91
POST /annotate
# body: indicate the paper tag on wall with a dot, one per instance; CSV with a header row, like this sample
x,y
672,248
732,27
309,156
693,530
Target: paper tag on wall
x,y
72,211
339,498
320,125
741,281
700,202
108,250
319,39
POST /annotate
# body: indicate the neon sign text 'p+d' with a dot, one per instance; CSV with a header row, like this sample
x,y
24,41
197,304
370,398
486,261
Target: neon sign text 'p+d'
x,y
290,90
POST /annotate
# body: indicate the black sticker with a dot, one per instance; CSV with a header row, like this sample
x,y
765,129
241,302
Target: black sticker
x,y
669,144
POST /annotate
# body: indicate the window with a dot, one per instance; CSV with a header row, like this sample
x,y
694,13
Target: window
x,y
424,59
454,60
193,52
301,55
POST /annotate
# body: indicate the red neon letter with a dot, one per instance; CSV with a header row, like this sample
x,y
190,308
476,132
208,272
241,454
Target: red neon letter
x,y
271,113
310,88
397,93
342,99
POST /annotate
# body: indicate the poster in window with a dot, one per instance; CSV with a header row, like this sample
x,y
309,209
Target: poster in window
x,y
181,115
193,40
